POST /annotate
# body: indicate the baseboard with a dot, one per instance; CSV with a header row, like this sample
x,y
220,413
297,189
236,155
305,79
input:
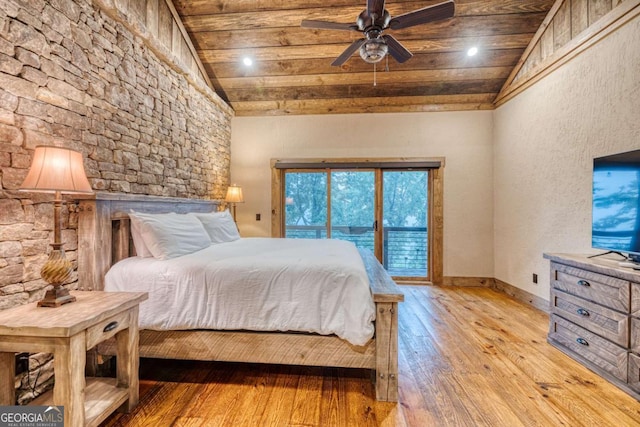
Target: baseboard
x,y
483,282
500,286
521,295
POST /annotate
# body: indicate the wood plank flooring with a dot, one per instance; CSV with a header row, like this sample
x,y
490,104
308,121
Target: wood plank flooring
x,y
468,357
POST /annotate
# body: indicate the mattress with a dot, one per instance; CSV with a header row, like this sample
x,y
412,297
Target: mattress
x,y
258,284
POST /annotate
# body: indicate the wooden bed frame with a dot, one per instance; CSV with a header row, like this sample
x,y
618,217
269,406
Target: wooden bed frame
x,y
104,238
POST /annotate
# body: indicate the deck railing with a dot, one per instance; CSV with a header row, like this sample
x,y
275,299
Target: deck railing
x,y
404,248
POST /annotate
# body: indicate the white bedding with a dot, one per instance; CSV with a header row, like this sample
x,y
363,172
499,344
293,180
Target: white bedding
x,y
259,284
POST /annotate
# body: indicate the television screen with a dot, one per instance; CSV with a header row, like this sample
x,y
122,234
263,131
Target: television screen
x,y
616,203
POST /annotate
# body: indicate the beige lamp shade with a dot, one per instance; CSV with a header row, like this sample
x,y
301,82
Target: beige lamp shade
x,y
56,169
234,194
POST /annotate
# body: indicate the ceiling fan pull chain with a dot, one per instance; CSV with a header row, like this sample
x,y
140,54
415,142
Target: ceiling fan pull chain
x,y
375,82
386,67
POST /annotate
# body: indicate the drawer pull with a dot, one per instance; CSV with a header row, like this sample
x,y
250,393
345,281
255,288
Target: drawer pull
x,y
582,312
584,283
110,327
582,341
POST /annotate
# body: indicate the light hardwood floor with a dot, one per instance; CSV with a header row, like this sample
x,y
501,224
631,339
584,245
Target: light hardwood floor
x,y
468,357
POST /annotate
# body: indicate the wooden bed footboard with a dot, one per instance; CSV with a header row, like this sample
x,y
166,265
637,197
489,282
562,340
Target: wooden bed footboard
x,y
104,238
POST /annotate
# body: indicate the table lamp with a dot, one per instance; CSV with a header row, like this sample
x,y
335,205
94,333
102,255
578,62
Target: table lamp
x,y
234,196
56,170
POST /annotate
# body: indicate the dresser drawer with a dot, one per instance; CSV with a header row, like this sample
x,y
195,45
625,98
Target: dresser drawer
x,y
635,335
635,299
599,351
107,328
634,372
600,320
605,290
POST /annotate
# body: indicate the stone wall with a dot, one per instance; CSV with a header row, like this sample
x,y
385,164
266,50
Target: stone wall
x,y
73,75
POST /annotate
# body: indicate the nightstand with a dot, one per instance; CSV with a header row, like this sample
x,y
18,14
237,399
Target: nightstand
x,y
68,332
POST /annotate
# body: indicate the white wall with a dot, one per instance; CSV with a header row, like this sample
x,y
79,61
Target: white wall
x,y
545,141
463,138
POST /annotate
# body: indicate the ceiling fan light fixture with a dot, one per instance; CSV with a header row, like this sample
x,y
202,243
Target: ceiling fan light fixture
x,y
373,21
374,50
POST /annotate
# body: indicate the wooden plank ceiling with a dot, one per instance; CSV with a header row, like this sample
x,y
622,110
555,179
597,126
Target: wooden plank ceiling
x,y
292,72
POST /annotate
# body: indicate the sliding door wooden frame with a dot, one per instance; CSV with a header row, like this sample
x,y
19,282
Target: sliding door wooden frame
x,y
436,198
378,200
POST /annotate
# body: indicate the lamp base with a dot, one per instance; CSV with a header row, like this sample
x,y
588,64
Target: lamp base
x,y
56,297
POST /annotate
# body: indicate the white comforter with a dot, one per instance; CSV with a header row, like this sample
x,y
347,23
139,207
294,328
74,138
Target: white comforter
x,y
259,284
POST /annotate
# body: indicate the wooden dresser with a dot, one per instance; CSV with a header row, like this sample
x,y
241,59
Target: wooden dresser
x,y
595,316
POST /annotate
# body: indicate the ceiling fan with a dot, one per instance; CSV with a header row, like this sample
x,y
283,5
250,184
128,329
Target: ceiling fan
x,y
374,46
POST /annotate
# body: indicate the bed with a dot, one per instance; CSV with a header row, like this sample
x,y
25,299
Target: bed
x,y
104,238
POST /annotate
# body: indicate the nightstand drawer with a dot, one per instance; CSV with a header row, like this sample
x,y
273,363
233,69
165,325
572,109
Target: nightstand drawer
x,y
107,328
599,351
606,290
600,320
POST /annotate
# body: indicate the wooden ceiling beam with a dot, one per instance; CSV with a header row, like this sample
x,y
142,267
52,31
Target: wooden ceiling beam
x,y
356,105
418,76
292,17
365,90
397,101
460,44
472,26
379,108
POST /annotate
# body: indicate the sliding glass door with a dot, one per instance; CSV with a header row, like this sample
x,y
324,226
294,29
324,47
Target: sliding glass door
x,y
385,211
353,207
404,224
306,205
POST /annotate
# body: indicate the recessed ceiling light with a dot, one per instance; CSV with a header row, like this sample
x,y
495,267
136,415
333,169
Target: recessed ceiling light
x,y
247,61
472,51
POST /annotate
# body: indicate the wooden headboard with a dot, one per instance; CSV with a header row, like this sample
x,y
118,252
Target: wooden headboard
x,y
103,229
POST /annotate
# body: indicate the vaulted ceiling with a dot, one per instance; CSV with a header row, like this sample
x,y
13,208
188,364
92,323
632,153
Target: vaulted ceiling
x,y
292,73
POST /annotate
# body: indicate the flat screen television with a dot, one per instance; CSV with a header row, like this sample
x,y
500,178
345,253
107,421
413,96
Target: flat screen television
x,y
616,204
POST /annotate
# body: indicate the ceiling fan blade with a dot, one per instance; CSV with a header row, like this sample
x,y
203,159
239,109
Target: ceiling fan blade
x,y
422,16
325,25
344,56
399,52
375,7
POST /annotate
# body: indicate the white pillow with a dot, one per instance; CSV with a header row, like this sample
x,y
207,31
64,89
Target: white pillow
x,y
138,241
171,235
220,226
